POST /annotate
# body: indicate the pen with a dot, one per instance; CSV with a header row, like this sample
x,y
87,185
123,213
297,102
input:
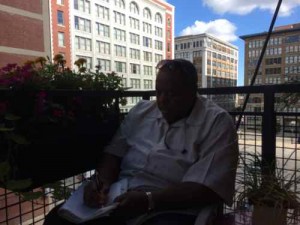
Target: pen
x,y
98,182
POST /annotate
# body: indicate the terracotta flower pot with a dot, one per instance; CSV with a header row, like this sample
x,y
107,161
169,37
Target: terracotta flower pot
x,y
264,215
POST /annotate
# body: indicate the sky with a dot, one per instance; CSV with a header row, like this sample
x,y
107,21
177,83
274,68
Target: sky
x,y
230,19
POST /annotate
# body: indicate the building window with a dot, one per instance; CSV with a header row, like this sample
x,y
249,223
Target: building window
x,y
147,13
120,51
120,3
88,64
135,100
82,24
292,39
102,12
82,43
134,53
60,2
103,47
269,71
61,39
168,47
134,23
147,42
60,17
159,32
169,21
102,30
148,70
158,45
134,38
124,82
120,34
148,84
134,8
104,64
119,18
158,18
135,83
169,34
83,6
147,56
135,68
158,58
147,28
120,67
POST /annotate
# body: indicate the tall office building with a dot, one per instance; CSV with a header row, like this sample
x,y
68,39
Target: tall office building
x,y
216,62
125,36
25,31
281,62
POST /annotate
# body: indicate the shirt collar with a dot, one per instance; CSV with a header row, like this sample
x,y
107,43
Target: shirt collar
x,y
192,119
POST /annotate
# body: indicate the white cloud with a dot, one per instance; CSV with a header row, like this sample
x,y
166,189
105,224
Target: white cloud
x,y
243,7
221,28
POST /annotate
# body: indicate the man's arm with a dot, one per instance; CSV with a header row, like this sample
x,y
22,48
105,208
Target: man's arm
x,y
95,192
184,195
109,168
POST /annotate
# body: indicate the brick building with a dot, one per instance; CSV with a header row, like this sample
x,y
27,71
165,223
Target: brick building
x,y
25,30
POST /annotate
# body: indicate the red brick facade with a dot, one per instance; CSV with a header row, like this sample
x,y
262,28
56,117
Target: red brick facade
x,y
65,28
21,32
14,58
34,6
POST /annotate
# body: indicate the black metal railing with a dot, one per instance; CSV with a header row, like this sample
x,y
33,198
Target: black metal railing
x,y
272,131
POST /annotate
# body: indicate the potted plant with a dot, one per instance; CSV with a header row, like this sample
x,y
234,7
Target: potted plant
x,y
272,193
47,112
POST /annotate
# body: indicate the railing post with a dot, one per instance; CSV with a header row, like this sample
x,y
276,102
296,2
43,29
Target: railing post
x,y
146,96
269,133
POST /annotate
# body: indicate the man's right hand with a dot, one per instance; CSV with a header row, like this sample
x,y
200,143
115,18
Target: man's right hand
x,y
94,196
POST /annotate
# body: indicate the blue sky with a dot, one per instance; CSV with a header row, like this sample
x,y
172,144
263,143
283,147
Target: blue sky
x,y
229,19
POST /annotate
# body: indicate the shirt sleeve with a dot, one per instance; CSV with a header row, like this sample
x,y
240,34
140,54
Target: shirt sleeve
x,y
218,157
119,144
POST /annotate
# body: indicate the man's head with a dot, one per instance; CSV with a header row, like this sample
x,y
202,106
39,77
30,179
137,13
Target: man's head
x,y
176,88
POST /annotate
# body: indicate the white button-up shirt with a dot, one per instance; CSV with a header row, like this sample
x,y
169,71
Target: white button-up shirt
x,y
201,148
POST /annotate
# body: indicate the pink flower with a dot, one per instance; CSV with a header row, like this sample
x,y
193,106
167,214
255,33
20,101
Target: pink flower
x,y
57,113
3,108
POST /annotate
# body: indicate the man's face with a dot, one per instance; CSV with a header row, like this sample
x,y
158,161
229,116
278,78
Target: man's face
x,y
174,98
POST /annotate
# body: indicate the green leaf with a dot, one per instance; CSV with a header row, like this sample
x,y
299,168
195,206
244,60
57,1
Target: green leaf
x,y
6,129
28,196
11,117
18,139
18,184
4,170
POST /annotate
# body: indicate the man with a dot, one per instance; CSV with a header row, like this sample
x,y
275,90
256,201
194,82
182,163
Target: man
x,y
178,153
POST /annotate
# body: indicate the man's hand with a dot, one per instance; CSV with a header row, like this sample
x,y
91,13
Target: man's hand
x,y
94,196
131,203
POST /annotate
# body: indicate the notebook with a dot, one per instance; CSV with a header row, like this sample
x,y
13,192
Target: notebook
x,y
75,211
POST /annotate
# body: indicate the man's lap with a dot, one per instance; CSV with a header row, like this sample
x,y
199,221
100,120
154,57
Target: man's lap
x,y
162,219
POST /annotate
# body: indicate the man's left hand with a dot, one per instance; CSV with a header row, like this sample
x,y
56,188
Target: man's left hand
x,y
131,203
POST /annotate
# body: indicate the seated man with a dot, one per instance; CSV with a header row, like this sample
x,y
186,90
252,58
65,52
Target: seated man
x,y
178,153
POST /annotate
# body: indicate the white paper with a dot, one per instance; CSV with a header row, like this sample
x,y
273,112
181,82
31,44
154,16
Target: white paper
x,y
76,211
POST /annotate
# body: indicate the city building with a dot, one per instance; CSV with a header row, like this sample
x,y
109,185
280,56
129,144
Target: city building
x,y
125,36
216,62
281,63
25,31
60,29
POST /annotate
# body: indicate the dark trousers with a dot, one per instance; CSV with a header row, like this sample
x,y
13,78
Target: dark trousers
x,y
163,219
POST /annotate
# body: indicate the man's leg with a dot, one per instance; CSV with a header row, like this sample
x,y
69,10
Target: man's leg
x,y
53,218
171,219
